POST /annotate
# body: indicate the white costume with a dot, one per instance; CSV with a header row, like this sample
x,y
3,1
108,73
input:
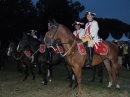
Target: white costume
x,y
79,33
91,31
34,36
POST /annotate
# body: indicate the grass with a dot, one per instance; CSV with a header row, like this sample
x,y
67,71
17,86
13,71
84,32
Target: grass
x,y
11,84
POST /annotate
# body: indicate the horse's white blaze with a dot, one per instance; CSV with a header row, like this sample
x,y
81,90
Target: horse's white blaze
x,y
8,51
48,74
117,86
18,47
109,85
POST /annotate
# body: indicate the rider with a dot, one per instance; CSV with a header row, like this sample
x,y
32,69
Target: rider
x,y
79,31
91,32
33,33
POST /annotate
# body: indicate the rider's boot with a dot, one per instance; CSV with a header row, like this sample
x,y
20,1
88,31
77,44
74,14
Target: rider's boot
x,y
86,63
90,56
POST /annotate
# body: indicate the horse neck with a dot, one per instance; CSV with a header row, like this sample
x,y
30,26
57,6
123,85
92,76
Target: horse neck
x,y
67,38
15,52
34,45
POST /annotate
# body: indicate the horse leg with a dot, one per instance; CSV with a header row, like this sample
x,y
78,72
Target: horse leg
x,y
50,70
77,71
94,72
25,72
107,64
76,84
115,69
100,72
31,70
44,74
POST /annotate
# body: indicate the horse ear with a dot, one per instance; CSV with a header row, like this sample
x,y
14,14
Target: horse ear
x,y
51,22
55,23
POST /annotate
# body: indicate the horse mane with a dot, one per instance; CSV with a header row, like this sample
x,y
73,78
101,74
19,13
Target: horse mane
x,y
66,30
69,33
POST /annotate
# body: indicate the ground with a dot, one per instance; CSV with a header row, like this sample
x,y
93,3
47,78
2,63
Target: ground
x,y
11,84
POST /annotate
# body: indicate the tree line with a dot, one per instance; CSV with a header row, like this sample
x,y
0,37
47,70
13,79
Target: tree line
x,y
18,16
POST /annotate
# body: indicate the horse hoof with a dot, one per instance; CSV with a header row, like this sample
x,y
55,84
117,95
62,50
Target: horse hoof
x,y
117,88
92,80
100,81
76,95
108,87
70,86
24,79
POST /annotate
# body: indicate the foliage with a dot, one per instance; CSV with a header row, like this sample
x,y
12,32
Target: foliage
x,y
17,16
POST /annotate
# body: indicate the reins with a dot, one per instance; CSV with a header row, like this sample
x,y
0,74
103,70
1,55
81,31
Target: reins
x,y
63,55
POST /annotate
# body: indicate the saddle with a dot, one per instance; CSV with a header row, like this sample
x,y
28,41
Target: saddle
x,y
99,48
27,53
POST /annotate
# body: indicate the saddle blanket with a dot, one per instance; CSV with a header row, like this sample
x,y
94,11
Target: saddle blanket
x,y
58,50
27,53
81,48
42,48
101,49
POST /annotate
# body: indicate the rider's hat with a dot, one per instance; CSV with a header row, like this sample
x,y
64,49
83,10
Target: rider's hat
x,y
77,23
33,31
90,13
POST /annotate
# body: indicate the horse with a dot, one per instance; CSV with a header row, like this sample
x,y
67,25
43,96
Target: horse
x,y
24,60
75,59
100,72
34,45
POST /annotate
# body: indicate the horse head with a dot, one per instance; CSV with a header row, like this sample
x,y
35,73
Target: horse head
x,y
23,42
51,35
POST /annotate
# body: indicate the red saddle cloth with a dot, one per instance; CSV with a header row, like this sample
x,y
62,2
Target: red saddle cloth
x,y
27,53
102,49
81,48
58,50
42,48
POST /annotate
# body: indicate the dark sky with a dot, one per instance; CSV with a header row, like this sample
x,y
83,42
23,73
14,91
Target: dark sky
x,y
113,9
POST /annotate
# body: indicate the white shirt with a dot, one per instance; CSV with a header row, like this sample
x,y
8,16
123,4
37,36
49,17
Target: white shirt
x,y
34,36
91,28
79,33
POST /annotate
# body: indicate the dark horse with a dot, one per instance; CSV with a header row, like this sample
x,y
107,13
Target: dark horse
x,y
24,60
69,43
41,58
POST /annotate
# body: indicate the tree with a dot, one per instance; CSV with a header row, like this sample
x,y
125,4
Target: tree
x,y
64,11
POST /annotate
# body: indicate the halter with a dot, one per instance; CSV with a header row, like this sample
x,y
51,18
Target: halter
x,y
63,55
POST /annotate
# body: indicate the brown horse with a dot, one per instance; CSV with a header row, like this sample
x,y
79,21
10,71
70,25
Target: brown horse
x,y
75,59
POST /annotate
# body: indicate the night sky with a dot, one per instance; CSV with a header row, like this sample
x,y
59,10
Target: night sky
x,y
112,9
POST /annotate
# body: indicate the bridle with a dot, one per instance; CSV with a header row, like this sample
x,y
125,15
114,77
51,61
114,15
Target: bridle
x,y
65,54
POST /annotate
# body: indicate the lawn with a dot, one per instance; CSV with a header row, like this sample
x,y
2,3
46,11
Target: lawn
x,y
11,84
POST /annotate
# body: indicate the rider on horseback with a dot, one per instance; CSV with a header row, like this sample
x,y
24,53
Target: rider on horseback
x,y
90,34
79,31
